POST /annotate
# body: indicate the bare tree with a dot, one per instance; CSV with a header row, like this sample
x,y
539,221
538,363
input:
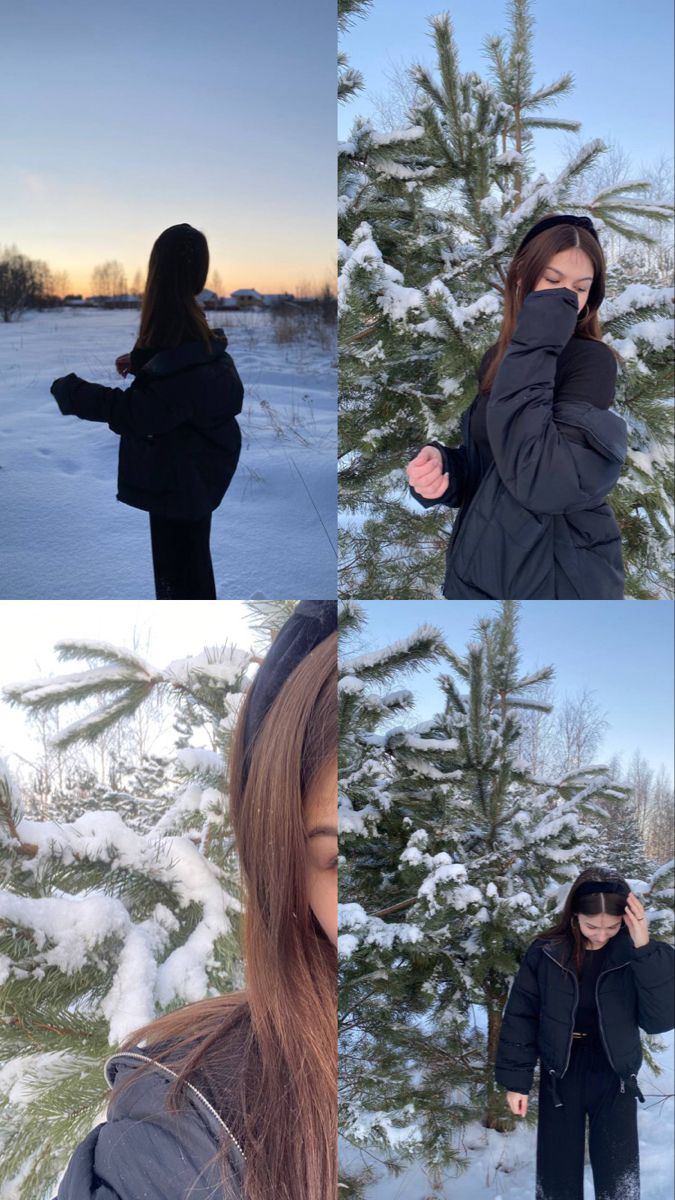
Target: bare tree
x,y
137,286
109,279
660,819
639,779
48,766
306,287
537,744
19,283
394,108
44,284
216,283
61,283
580,727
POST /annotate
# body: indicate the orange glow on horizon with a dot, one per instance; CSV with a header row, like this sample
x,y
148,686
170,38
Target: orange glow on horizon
x,y
308,284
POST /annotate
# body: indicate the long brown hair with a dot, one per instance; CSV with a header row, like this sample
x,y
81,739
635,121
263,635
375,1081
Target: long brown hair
x,y
567,929
287,1016
177,272
525,271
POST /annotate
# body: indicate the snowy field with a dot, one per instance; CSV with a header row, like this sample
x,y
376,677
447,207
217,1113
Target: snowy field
x,y
63,533
502,1166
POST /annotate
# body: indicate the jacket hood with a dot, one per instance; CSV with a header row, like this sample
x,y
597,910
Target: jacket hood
x,y
144,1100
180,358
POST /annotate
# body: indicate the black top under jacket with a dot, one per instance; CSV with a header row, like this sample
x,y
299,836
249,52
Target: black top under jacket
x,y
143,1150
538,459
586,1020
635,990
179,439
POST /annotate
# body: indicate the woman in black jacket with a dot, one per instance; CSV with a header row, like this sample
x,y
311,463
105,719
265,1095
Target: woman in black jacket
x,y
583,992
179,438
235,1097
541,449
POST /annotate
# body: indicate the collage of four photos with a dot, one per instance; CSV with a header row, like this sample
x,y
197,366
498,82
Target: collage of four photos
x,y
357,882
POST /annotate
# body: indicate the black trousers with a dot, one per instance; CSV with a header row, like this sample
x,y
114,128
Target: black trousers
x,y
590,1088
181,558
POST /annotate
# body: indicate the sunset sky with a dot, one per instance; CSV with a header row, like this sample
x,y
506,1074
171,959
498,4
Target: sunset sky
x,y
123,119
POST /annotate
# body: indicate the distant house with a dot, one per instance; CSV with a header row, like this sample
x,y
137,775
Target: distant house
x,y
247,298
208,299
120,300
272,299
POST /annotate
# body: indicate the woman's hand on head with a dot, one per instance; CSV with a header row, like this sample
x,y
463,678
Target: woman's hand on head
x,y
636,921
517,1103
425,473
123,363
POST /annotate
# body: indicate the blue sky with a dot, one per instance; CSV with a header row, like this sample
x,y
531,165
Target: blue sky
x,y
623,652
121,119
620,53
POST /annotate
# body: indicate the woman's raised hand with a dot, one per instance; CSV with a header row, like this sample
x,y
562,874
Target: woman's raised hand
x,y
123,363
425,473
634,918
517,1103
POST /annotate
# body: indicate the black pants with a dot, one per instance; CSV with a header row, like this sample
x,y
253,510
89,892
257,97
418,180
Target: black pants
x,y
590,1087
181,558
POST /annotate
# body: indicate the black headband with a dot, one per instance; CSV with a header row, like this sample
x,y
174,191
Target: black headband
x,y
616,886
310,623
558,219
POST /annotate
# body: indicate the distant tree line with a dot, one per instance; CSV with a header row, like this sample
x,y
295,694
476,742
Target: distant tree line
x,y
27,283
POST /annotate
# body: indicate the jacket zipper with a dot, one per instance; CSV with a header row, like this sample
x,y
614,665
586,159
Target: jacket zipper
x,y
574,1010
163,1067
601,1027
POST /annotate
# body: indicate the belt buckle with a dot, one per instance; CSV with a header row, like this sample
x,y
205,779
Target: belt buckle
x,y
579,1035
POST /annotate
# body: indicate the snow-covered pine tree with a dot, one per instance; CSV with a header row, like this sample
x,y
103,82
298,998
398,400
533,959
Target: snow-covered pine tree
x,y
621,840
660,900
467,861
103,926
374,1064
429,217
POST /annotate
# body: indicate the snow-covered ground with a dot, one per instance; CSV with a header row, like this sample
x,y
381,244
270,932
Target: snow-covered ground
x,y
502,1166
63,535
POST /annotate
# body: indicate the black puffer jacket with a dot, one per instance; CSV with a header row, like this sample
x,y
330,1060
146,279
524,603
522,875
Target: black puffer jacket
x,y
180,442
635,990
142,1150
534,522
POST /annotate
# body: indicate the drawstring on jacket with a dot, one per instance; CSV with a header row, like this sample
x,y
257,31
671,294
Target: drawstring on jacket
x,y
634,1088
